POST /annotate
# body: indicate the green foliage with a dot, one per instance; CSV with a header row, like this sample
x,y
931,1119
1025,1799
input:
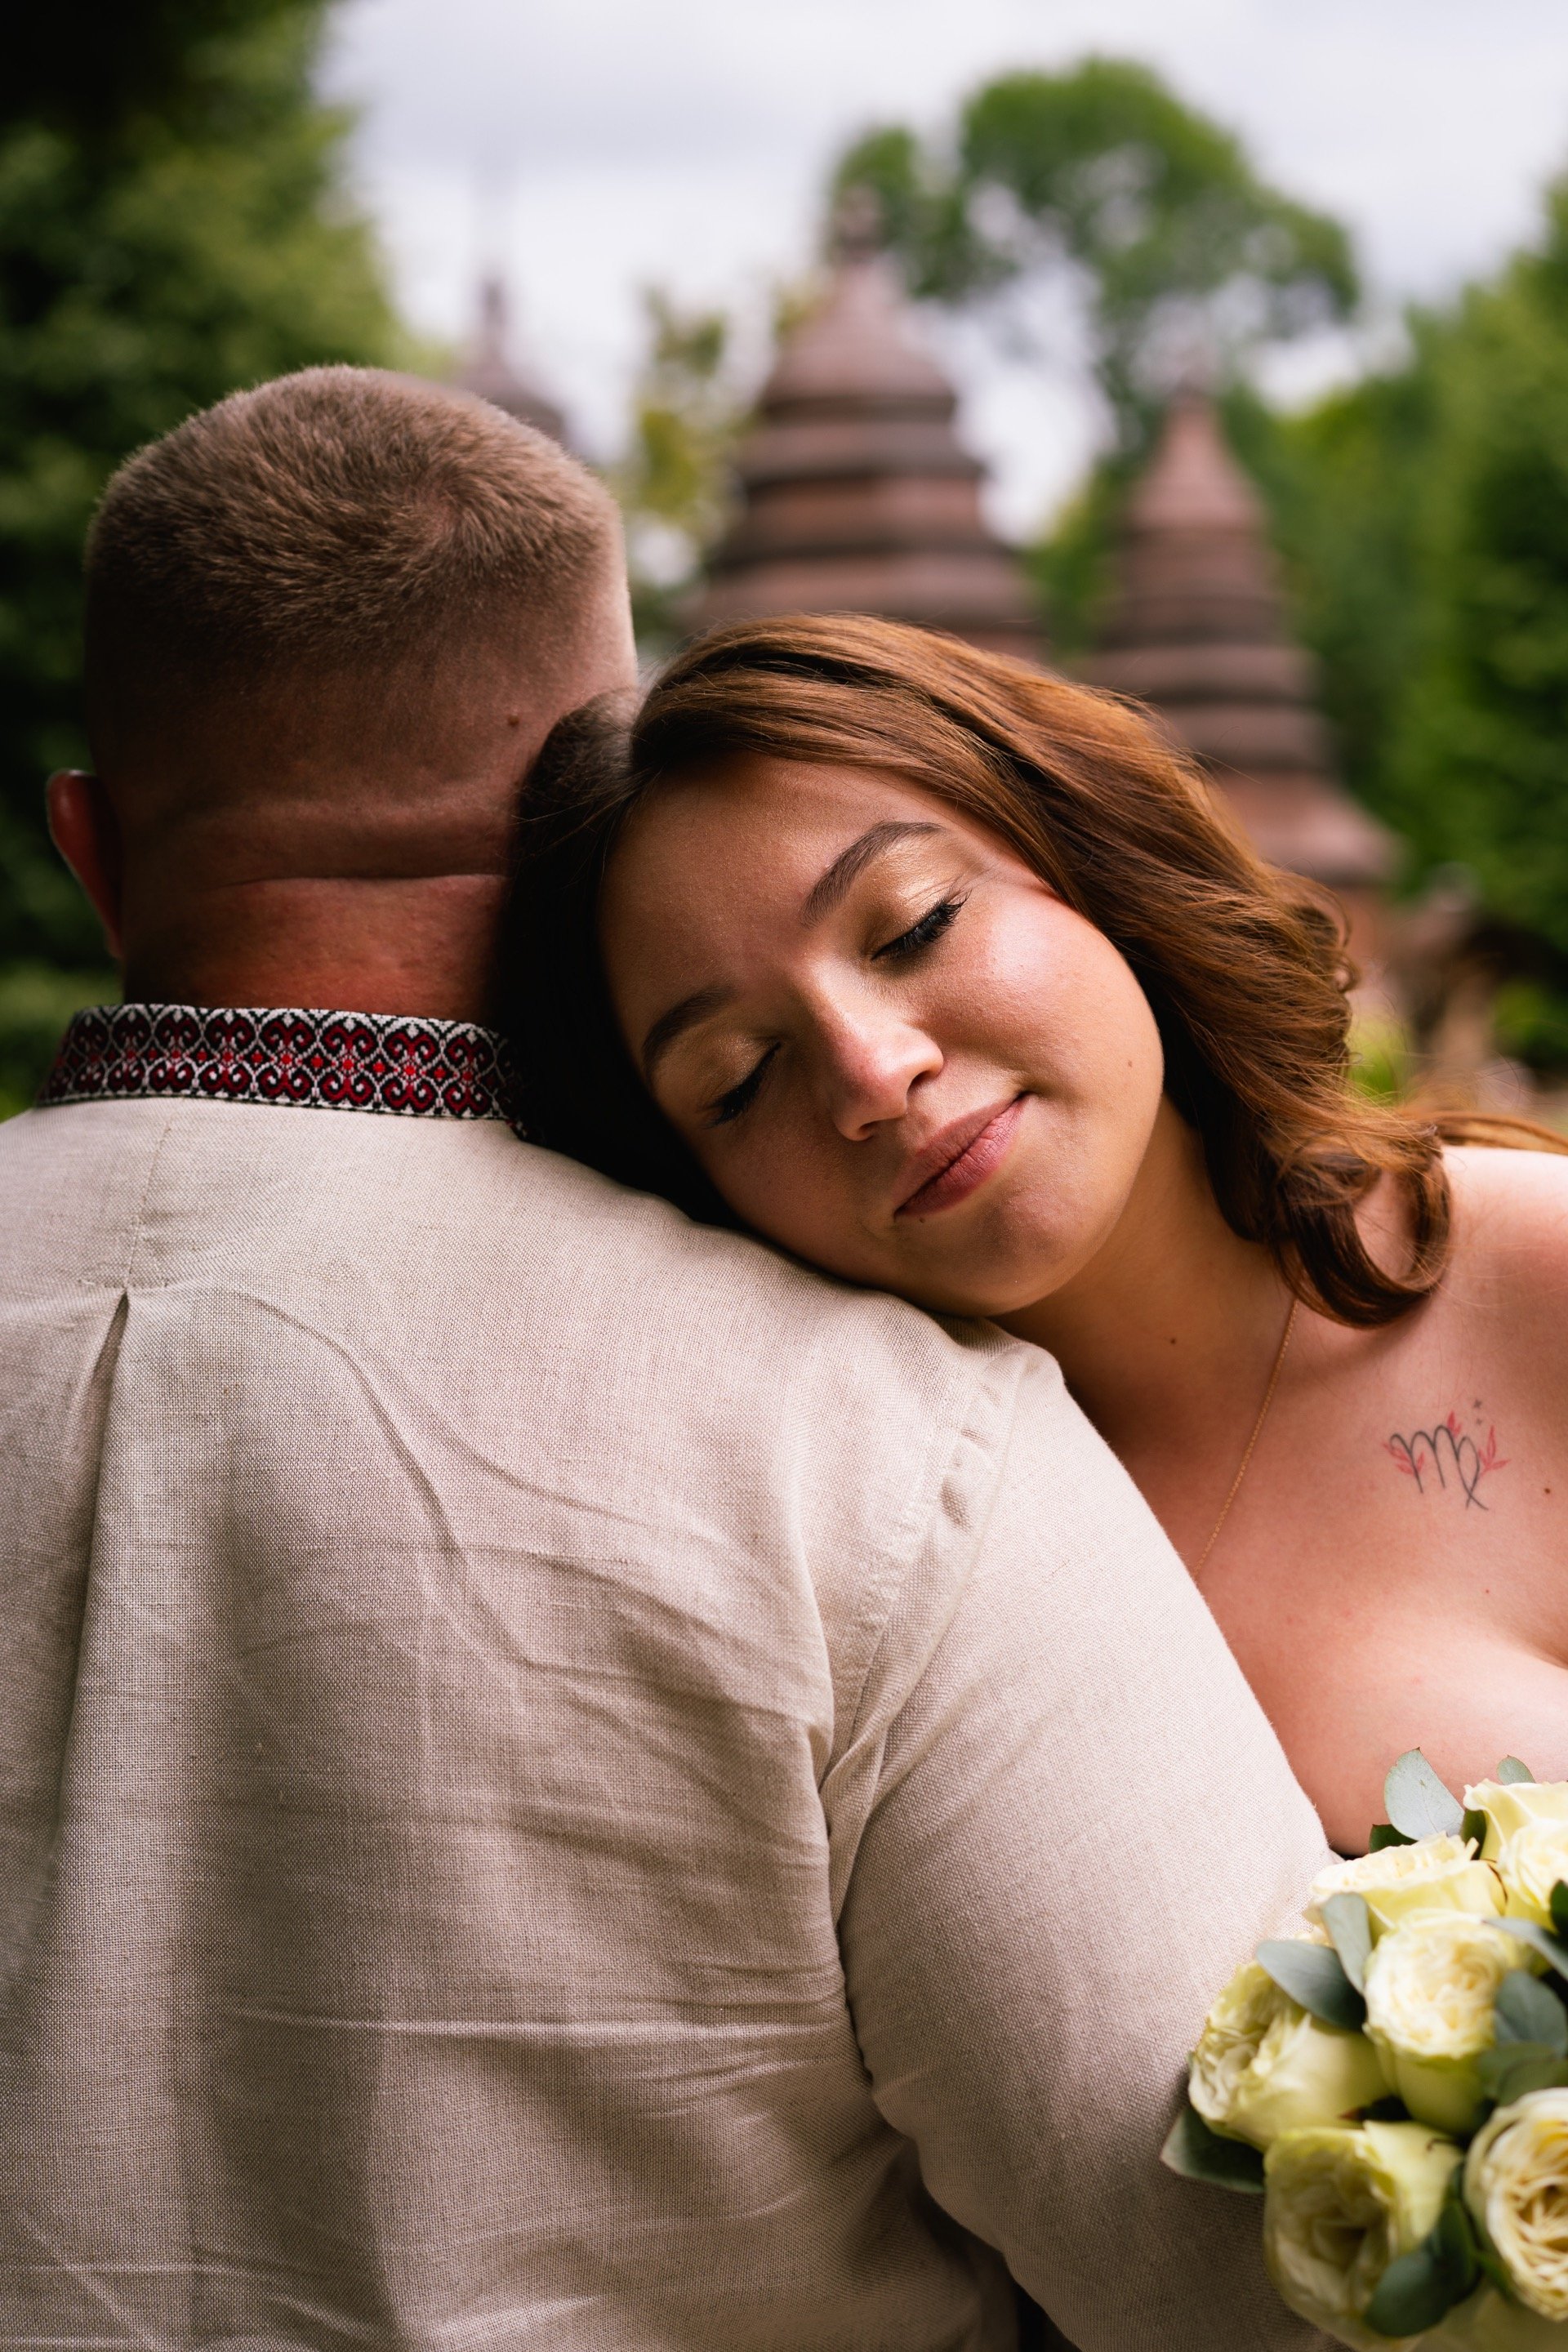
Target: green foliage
x,y
1418,1803
1531,1021
1199,2154
1184,256
1184,252
1480,763
1417,2289
1314,1975
1423,517
1553,1952
171,228
1348,1920
93,66
36,1002
1514,2068
926,214
1382,1065
1346,484
1526,2010
673,484
1071,566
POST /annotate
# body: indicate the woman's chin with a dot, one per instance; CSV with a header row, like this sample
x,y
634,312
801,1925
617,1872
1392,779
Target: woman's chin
x,y
986,1294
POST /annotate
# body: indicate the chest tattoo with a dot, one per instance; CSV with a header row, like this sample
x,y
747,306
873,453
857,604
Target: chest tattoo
x,y
1448,1456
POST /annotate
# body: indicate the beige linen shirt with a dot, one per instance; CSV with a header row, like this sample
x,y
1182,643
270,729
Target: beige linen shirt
x,y
564,1782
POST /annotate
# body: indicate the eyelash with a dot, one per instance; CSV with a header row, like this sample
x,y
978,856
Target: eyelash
x,y
924,933
740,1099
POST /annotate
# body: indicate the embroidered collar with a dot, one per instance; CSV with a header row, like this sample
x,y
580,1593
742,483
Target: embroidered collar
x,y
408,1067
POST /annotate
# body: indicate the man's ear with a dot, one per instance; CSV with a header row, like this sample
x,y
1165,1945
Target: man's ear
x,y
86,831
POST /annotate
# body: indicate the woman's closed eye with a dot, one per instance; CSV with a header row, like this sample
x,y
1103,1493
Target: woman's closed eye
x,y
741,1097
924,933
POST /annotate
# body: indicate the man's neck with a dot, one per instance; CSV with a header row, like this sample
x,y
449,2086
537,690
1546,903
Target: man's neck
x,y
411,946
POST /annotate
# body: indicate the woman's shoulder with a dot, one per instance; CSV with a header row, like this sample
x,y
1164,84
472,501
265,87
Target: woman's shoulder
x,y
1510,1229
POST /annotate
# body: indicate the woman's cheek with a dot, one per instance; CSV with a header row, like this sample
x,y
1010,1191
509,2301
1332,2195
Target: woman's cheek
x,y
821,1216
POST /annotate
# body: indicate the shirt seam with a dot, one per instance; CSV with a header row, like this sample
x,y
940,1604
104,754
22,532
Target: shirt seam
x,y
127,1276
900,1575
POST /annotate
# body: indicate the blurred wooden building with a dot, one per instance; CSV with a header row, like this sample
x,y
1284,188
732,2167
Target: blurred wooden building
x,y
492,369
855,493
1197,630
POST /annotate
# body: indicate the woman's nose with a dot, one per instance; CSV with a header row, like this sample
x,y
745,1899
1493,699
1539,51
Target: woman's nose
x,y
871,1067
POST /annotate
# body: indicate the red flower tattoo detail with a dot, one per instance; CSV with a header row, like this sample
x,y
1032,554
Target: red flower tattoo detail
x,y
1445,1448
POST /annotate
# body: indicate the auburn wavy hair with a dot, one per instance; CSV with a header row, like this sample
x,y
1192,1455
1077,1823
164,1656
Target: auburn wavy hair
x,y
1245,967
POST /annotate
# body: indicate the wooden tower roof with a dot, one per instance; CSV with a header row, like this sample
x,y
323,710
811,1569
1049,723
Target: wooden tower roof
x,y
1197,630
855,493
492,372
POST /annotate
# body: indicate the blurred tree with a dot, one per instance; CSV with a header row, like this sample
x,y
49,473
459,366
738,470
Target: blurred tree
x,y
1184,257
172,226
1478,760
1347,481
673,482
1071,562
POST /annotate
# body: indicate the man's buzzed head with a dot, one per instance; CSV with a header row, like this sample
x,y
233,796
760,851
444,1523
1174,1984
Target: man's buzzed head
x,y
329,623
341,559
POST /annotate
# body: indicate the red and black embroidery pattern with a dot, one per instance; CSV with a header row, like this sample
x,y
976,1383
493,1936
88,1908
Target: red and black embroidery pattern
x,y
412,1068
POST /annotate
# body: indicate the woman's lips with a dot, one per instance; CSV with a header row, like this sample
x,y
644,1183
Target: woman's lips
x,y
967,1156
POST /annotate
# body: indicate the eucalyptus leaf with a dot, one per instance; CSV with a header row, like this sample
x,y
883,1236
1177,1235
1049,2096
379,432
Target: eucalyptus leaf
x,y
1314,1975
1455,2236
1559,1909
1410,2296
1511,1770
1415,2293
1199,2154
1383,1833
1529,2011
1417,1801
1538,1941
1349,1923
1513,2068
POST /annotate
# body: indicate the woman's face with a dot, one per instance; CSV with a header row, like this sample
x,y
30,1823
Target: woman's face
x,y
891,1047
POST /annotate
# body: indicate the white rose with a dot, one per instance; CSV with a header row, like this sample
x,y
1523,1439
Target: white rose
x,y
1534,1858
1436,1874
1339,2207
1263,2066
1431,1984
1516,2186
1509,1804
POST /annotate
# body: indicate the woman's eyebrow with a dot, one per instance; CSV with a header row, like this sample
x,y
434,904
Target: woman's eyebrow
x,y
830,887
672,1025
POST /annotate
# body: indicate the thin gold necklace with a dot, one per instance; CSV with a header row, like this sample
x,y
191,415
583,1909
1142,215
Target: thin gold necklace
x,y
1256,1433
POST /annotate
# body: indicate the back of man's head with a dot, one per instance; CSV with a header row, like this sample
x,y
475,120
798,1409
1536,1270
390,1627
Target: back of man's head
x,y
329,621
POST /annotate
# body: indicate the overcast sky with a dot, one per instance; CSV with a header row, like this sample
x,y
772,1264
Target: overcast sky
x,y
592,147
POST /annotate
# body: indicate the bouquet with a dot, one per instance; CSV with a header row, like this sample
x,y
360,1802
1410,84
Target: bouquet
x,y
1394,2083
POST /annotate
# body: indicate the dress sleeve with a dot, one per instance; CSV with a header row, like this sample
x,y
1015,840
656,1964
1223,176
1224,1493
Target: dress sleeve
x,y
1074,1822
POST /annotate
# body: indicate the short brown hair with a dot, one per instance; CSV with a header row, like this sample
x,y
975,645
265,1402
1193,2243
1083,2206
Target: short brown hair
x,y
1244,966
329,524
